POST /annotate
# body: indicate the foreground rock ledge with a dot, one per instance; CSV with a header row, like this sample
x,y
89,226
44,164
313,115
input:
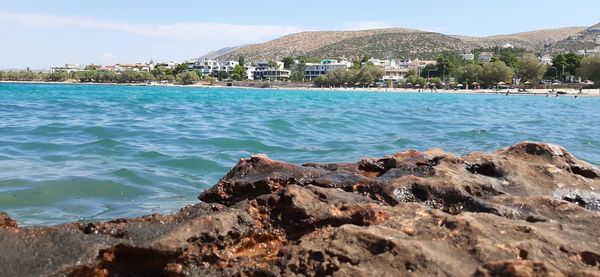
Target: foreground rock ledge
x,y
529,210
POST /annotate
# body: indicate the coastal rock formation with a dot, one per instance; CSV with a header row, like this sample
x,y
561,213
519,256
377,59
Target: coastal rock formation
x,y
532,209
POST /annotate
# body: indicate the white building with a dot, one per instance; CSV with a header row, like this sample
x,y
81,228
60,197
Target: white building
x,y
212,67
265,71
137,67
598,39
260,66
314,70
546,59
69,68
592,52
380,63
508,45
393,70
272,74
485,56
402,63
227,66
250,71
419,64
468,56
169,65
395,74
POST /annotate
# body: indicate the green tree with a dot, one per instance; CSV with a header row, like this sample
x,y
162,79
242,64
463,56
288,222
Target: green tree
x,y
339,77
59,76
416,81
448,62
91,67
590,69
180,68
509,57
222,75
28,76
211,80
469,73
106,76
239,73
495,72
436,81
573,62
188,77
307,59
322,81
430,70
369,74
531,69
564,65
85,76
356,64
297,76
288,62
242,60
364,77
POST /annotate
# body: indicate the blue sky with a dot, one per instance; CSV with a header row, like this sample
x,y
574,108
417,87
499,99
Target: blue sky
x,y
42,33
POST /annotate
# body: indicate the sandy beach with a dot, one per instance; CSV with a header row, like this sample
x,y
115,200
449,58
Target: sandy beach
x,y
281,86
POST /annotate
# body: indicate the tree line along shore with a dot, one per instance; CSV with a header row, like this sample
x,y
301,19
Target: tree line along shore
x,y
508,67
511,67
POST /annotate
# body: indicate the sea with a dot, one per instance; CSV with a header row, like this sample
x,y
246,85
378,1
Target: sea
x,y
96,152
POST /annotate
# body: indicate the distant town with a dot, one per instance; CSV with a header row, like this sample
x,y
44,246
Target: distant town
x,y
504,65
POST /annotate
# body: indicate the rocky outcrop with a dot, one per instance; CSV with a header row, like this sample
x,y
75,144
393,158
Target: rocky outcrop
x,y
528,210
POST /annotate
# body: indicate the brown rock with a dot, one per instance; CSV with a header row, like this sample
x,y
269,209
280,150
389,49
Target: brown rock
x,y
529,210
518,268
6,221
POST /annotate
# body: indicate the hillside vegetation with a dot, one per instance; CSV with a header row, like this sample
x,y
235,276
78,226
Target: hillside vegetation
x,y
391,42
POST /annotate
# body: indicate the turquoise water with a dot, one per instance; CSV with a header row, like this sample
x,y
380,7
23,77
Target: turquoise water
x,y
94,152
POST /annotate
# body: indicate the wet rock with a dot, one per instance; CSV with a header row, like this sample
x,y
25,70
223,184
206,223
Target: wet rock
x,y
527,210
6,221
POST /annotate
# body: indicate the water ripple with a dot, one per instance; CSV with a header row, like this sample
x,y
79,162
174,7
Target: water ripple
x,y
71,152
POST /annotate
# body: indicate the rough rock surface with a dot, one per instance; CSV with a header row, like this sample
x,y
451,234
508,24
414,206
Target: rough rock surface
x,y
529,210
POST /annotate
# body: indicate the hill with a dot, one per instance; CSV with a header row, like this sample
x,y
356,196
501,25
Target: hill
x,y
391,42
587,39
303,43
533,40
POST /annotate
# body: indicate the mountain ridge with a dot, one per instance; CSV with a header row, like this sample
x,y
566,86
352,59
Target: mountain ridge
x,y
392,42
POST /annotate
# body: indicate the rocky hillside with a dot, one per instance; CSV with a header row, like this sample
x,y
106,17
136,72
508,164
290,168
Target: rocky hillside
x,y
584,40
528,210
303,43
388,43
537,40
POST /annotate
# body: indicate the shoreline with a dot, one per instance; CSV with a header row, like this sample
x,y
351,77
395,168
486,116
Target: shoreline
x,y
532,92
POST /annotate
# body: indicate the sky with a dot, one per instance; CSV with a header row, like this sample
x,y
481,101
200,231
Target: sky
x,y
41,33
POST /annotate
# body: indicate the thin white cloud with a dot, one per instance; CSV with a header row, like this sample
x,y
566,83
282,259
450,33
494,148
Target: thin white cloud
x,y
180,31
108,56
367,25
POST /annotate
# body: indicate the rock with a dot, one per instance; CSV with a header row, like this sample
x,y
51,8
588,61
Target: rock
x,y
527,210
6,221
520,268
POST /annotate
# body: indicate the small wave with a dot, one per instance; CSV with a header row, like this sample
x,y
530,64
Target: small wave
x,y
105,142
193,163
